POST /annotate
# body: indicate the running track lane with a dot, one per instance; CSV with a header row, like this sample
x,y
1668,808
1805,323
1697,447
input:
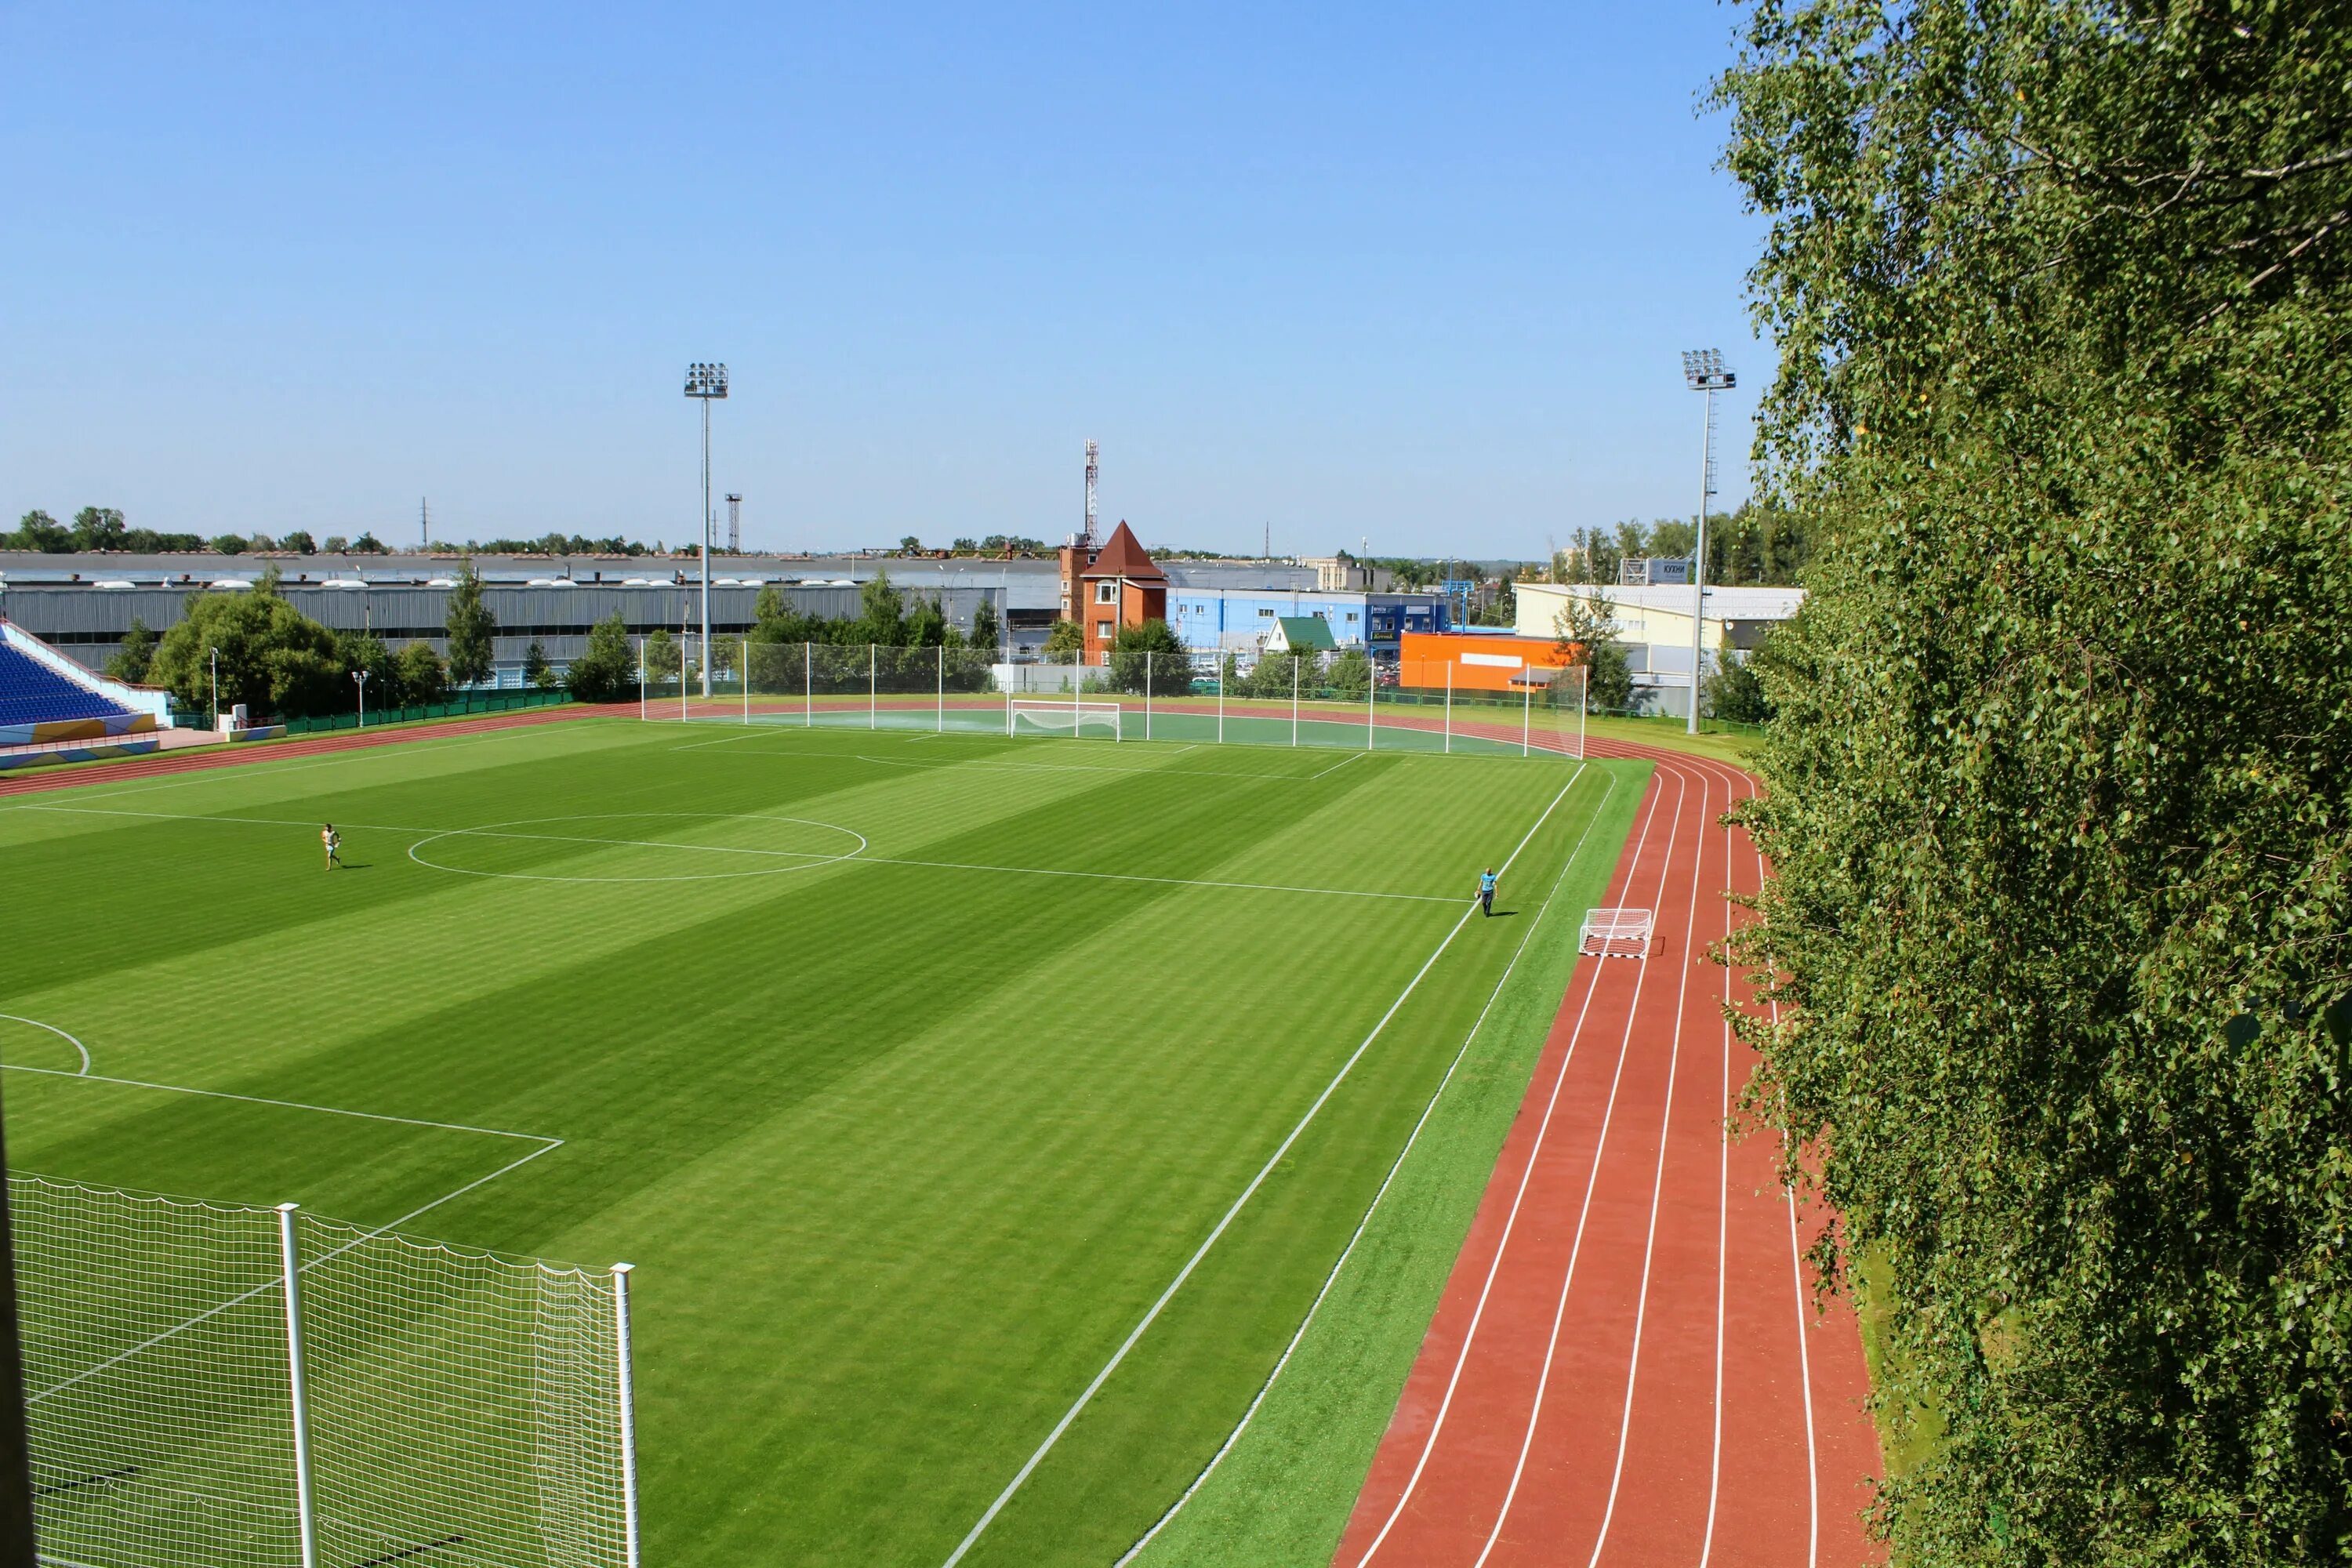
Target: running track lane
x,y
156,764
1626,1366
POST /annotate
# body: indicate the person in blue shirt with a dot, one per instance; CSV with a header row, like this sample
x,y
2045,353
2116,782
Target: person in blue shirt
x,y
1487,891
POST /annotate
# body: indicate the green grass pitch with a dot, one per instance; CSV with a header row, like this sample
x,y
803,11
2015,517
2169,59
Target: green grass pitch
x,y
908,1069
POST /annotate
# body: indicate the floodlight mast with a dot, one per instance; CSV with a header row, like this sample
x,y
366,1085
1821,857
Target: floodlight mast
x,y
1703,372
706,382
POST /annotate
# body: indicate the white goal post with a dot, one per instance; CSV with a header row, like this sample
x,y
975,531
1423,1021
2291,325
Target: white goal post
x,y
1030,715
1616,933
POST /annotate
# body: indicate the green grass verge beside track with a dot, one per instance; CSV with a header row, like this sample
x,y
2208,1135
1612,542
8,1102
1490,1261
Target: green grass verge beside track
x,y
1282,1496
904,1144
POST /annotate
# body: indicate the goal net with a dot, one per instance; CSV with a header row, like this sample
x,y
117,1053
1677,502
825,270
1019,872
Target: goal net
x,y
1616,933
1037,717
457,1407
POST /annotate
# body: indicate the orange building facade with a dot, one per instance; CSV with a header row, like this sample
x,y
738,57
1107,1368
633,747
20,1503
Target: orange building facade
x,y
1469,662
1105,590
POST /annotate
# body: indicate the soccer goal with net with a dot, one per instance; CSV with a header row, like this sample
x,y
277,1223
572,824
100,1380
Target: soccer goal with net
x,y
1030,716
1616,933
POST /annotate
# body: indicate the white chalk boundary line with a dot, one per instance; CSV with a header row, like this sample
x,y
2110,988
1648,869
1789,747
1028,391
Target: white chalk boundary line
x,y
497,831
546,1145
1373,1209
1527,1176
1134,1335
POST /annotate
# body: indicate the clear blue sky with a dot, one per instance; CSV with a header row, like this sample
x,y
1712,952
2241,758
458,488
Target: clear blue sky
x,y
1416,273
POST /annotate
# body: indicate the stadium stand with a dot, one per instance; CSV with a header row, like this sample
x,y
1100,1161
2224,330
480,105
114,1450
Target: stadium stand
x,y
45,697
32,694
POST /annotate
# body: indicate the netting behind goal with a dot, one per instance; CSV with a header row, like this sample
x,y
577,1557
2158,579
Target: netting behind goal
x,y
459,1406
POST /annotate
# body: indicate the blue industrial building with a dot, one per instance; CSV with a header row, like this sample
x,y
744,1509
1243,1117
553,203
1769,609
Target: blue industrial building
x,y
1240,619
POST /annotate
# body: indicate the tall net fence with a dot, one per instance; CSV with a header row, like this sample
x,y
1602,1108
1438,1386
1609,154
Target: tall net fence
x,y
1344,698
457,1407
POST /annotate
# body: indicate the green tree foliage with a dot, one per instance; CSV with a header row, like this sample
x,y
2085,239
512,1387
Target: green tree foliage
x,y
1586,626
536,673
273,659
607,670
2060,783
419,677
229,544
300,541
663,659
1347,675
335,545
882,612
926,625
1735,692
1152,650
774,620
471,625
137,654
1064,637
984,631
37,530
98,528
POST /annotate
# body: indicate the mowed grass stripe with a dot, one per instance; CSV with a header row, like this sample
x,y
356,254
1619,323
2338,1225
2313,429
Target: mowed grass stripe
x,y
898,1151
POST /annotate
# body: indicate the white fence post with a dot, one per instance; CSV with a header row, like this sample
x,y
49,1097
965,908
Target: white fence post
x,y
627,1388
1526,712
1221,697
1294,699
941,727
1449,704
873,661
1372,690
305,1513
808,685
746,673
641,679
1147,694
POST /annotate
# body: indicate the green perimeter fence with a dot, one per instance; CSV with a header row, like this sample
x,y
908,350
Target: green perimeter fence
x,y
462,703
1342,699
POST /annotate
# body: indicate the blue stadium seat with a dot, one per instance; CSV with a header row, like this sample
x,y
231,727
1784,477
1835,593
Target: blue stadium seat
x,y
33,693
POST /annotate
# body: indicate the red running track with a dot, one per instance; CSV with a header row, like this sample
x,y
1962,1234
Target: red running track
x,y
1627,1365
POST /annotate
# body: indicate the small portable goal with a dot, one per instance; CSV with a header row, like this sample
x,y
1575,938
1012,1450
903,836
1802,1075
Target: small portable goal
x,y
1042,716
1616,933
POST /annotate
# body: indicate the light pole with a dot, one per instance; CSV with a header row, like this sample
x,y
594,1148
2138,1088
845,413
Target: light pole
x,y
361,676
706,382
1703,370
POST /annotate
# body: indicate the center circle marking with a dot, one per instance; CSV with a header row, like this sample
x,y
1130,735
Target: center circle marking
x,y
796,860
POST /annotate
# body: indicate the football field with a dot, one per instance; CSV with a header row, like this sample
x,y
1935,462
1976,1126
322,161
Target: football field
x,y
982,1115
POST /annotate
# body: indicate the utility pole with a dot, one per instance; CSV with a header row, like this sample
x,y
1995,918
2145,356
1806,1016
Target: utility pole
x,y
1093,473
708,382
1703,370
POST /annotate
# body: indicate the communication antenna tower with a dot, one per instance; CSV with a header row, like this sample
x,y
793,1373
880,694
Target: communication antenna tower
x,y
1093,472
424,522
735,524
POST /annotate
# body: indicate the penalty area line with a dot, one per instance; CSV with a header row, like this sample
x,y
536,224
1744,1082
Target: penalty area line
x,y
1135,1335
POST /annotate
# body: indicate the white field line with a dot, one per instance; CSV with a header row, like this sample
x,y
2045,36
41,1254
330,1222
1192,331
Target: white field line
x,y
1343,761
60,1033
993,765
1649,1245
1527,1176
1134,1335
1363,1225
723,740
545,1144
729,849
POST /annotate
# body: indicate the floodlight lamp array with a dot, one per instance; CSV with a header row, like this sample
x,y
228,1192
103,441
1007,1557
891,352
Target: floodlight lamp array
x,y
1703,369
705,380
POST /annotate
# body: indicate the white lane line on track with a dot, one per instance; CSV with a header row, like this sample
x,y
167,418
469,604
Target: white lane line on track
x,y
1650,1243
60,1033
1372,1208
1135,1335
1722,1215
1526,1173
859,859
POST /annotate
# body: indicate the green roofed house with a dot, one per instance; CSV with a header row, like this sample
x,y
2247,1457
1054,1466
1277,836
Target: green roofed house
x,y
1300,633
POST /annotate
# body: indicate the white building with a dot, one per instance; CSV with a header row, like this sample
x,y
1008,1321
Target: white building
x,y
1655,626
